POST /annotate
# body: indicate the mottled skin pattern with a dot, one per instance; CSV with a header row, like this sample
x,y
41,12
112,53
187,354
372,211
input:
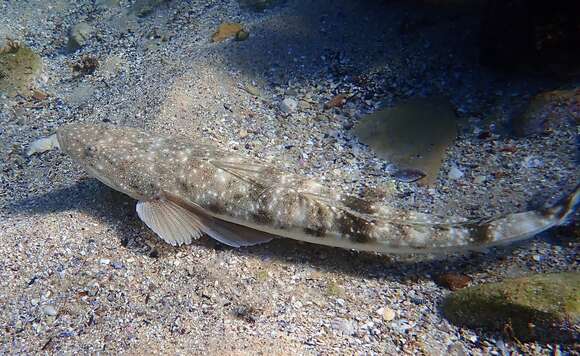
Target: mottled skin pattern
x,y
146,166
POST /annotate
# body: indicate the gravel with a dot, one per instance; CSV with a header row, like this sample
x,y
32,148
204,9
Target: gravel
x,y
160,72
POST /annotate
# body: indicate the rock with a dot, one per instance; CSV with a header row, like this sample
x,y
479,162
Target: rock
x,y
104,261
455,173
49,310
542,307
335,102
288,105
226,30
78,35
414,134
345,327
479,180
547,110
386,313
453,281
19,67
242,35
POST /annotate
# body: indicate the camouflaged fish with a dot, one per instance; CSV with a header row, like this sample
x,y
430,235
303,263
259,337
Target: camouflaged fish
x,y
185,189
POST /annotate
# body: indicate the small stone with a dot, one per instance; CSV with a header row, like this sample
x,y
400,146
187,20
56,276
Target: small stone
x,y
117,265
242,35
78,35
304,105
345,327
49,310
533,162
243,133
104,261
386,313
454,281
335,102
455,173
340,302
479,179
34,301
39,95
288,105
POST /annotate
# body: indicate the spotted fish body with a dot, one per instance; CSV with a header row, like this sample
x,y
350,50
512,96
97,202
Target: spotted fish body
x,y
185,189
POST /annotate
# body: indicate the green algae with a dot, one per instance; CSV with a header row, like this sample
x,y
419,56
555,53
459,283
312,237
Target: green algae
x,y
19,67
542,307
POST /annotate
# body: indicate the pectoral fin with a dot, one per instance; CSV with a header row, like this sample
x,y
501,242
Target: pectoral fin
x,y
174,224
177,222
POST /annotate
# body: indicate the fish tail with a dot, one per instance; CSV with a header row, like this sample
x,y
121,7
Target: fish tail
x,y
483,233
407,232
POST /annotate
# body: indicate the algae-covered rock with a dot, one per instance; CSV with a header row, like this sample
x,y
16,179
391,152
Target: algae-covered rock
x,y
413,135
19,66
542,307
546,110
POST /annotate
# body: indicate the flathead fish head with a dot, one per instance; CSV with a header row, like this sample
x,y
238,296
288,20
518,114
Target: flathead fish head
x,y
105,151
83,142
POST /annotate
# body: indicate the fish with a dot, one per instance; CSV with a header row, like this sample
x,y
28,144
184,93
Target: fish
x,y
185,189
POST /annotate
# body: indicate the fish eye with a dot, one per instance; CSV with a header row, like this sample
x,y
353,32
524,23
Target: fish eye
x,y
90,150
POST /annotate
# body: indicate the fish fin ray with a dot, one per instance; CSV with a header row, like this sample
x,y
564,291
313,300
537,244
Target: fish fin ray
x,y
230,234
174,224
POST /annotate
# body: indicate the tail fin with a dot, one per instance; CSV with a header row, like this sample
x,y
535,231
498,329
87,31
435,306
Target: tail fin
x,y
520,226
429,236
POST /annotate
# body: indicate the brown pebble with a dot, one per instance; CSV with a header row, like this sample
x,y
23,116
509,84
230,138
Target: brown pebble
x,y
39,95
453,281
225,31
335,102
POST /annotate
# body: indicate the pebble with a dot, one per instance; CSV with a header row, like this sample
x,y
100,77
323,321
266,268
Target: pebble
x,y
455,173
479,179
533,162
242,35
117,265
386,313
288,105
49,310
78,35
104,261
345,327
